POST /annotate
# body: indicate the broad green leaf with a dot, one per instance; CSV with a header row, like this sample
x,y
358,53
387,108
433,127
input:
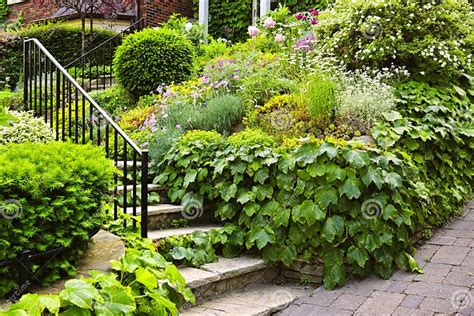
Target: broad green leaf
x,y
371,175
251,208
189,178
145,277
117,300
261,175
334,270
326,195
316,169
412,264
329,149
76,311
281,218
228,191
356,158
80,293
357,255
307,213
350,189
261,235
392,116
245,196
334,172
333,227
307,154
162,300
394,180
226,211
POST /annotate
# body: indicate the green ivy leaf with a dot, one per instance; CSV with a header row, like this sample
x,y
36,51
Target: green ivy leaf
x,y
412,264
245,196
307,213
394,180
281,218
261,235
334,172
356,158
189,178
316,169
371,175
350,189
261,175
228,191
226,211
251,208
333,227
326,195
392,116
357,255
334,271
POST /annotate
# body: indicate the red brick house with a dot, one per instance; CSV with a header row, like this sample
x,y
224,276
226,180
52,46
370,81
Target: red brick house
x,y
153,11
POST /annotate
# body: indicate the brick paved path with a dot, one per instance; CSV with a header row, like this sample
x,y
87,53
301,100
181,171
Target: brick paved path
x,y
446,287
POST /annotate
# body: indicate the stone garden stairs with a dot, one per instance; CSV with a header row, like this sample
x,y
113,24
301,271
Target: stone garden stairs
x,y
245,285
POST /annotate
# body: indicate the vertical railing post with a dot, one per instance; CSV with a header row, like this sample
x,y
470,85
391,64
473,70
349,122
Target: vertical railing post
x,y
26,73
144,197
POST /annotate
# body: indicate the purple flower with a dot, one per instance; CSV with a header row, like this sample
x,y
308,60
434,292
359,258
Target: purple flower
x,y
178,126
269,23
280,38
298,16
314,21
253,31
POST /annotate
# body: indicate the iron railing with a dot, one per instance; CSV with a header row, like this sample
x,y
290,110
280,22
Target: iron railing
x,y
52,93
93,70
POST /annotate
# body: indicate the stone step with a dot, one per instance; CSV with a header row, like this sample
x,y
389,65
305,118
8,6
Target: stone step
x,y
158,209
129,164
226,275
254,299
157,235
151,188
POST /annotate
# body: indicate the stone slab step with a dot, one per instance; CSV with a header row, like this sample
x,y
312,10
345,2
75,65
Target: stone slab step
x,y
223,269
255,299
129,164
157,235
151,188
158,209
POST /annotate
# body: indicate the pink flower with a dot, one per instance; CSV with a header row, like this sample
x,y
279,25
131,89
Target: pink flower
x,y
315,12
298,16
269,23
314,21
253,31
280,38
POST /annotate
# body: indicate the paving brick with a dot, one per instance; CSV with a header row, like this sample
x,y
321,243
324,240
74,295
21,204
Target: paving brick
x,y
450,255
428,289
381,303
412,301
374,283
468,262
437,269
442,240
397,286
312,310
403,276
321,297
403,311
429,278
458,233
348,302
460,225
460,278
463,242
437,305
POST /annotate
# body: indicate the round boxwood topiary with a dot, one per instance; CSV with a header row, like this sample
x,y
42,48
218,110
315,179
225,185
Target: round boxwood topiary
x,y
152,57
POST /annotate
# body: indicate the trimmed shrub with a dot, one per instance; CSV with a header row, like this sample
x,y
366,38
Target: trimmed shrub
x,y
51,195
434,40
62,41
153,57
23,127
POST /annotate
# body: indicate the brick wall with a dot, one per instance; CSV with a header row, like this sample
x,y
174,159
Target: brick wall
x,y
157,11
31,11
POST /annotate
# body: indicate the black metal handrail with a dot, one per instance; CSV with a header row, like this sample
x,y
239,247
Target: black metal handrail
x,y
94,68
51,92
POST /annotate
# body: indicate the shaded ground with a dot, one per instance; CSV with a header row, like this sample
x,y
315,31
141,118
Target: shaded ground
x,y
446,287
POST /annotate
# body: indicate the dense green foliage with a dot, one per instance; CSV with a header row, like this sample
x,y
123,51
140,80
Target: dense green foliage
x,y
434,41
11,100
321,188
435,125
153,57
62,41
141,282
113,100
52,195
3,10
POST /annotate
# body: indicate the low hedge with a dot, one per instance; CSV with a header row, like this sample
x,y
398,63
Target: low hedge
x,y
62,41
51,196
345,204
